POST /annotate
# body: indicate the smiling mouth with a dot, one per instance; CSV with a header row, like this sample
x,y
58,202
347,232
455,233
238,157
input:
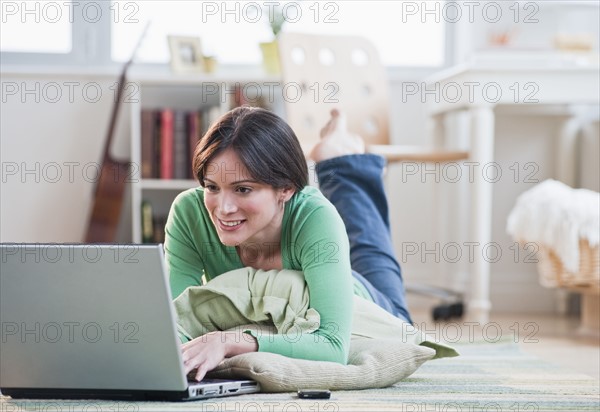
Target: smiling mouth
x,y
231,224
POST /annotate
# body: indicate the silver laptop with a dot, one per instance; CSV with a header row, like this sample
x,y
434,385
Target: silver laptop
x,y
93,321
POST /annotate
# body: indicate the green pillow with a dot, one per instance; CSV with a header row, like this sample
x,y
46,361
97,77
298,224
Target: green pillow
x,y
372,363
383,350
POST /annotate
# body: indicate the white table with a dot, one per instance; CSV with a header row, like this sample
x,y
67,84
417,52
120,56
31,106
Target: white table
x,y
481,86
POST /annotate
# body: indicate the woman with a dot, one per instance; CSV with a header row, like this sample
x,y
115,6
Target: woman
x,y
255,209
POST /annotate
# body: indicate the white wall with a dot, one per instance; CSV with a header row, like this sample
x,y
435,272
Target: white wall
x,y
526,141
45,136
52,133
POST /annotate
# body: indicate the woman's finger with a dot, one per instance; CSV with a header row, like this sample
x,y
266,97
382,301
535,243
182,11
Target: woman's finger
x,y
201,372
192,356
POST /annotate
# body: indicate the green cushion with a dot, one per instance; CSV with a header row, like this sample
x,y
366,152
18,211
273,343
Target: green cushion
x,y
373,363
384,349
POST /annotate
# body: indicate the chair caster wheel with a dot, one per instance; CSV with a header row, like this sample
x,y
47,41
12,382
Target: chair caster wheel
x,y
441,312
447,312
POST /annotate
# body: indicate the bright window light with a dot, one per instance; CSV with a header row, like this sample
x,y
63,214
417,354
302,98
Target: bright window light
x,y
232,30
40,26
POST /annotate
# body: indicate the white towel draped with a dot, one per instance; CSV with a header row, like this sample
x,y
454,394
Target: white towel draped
x,y
556,215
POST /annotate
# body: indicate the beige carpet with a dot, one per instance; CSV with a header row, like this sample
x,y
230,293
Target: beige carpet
x,y
488,377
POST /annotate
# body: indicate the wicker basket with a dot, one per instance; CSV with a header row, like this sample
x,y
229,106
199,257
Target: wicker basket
x,y
552,273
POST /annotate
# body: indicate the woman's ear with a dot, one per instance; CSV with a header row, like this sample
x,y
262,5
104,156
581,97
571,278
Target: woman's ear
x,y
286,193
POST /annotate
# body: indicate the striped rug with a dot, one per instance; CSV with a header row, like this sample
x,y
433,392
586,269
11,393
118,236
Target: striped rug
x,y
486,377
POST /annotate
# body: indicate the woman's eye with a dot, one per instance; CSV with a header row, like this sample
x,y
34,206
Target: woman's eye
x,y
244,189
211,188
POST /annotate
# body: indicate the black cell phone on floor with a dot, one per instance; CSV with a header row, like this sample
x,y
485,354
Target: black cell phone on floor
x,y
314,393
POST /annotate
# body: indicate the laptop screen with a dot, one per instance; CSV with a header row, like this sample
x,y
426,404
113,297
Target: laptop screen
x,y
87,317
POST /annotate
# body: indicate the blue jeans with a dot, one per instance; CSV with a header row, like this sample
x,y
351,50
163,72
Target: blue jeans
x,y
354,185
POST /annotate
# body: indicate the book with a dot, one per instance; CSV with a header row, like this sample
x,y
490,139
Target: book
x,y
156,145
153,226
194,129
147,144
147,222
169,138
181,153
159,223
166,144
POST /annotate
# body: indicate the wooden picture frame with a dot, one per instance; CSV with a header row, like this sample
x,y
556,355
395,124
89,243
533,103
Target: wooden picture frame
x,y
186,54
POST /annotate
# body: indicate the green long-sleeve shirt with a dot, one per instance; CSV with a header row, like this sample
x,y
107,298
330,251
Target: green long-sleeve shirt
x,y
313,240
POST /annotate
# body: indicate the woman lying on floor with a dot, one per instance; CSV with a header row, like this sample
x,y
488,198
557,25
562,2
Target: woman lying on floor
x,y
255,209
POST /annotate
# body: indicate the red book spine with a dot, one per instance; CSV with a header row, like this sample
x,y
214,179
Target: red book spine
x,y
166,144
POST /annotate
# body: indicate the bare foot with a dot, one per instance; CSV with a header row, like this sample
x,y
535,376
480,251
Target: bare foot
x,y
336,140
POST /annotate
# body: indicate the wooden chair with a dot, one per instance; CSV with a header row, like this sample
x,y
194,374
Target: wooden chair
x,y
320,73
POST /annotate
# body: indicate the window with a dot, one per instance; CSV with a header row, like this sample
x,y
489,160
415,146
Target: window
x,y
231,41
231,31
36,27
99,32
401,37
55,32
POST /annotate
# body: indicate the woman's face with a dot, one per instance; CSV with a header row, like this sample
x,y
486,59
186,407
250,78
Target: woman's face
x,y
243,210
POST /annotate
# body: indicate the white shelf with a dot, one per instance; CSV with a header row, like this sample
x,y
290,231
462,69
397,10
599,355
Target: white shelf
x,y
565,3
184,92
231,76
168,184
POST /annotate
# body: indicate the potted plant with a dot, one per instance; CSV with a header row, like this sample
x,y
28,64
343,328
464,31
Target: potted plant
x,y
270,49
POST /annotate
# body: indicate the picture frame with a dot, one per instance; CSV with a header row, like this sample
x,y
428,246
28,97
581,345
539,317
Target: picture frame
x,y
186,54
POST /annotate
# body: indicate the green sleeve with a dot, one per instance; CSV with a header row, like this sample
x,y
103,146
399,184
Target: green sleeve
x,y
320,246
185,264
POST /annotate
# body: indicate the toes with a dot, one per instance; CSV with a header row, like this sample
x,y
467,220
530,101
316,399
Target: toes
x,y
341,122
333,123
328,128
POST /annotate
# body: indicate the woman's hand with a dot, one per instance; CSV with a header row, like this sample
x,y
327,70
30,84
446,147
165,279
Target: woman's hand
x,y
207,351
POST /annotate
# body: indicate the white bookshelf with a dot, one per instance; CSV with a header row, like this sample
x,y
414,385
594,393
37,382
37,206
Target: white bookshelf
x,y
185,92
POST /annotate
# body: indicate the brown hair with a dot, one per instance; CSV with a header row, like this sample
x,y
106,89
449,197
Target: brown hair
x,y
264,142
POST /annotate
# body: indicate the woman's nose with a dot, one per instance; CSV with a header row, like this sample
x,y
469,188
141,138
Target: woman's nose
x,y
227,204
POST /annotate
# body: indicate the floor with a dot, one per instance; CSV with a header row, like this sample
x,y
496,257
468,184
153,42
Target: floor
x,y
554,338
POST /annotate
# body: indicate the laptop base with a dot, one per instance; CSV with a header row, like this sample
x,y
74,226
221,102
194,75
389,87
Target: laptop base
x,y
214,388
105,394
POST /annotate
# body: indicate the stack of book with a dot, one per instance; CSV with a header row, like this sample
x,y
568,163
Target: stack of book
x,y
153,227
169,137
